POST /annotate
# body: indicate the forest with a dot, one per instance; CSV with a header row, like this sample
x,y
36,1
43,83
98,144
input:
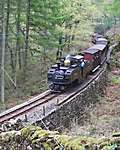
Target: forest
x,y
34,33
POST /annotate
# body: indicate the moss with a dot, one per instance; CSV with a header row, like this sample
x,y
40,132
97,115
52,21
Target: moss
x,y
116,134
49,140
47,146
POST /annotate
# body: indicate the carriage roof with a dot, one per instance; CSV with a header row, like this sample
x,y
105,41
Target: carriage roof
x,y
97,47
90,51
101,39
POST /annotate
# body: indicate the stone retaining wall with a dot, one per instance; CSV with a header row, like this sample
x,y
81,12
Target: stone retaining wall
x,y
75,108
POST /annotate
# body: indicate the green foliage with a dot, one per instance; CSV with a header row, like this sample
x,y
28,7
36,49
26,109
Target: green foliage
x,y
46,16
115,79
53,25
36,138
53,19
113,8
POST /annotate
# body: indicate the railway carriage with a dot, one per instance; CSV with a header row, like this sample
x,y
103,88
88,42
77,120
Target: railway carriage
x,y
96,54
93,56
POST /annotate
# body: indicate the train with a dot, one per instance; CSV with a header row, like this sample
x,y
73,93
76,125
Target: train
x,y
73,69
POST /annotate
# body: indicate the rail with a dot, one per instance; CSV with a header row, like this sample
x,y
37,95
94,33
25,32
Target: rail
x,y
30,104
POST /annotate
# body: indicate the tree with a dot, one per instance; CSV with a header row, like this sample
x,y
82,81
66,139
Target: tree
x,y
3,53
27,33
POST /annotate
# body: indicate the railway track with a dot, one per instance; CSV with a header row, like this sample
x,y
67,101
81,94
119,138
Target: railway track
x,y
45,98
27,106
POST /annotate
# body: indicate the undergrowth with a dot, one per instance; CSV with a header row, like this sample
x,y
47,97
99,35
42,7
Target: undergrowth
x,y
115,79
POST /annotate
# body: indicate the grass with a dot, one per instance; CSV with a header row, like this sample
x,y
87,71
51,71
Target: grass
x,y
115,79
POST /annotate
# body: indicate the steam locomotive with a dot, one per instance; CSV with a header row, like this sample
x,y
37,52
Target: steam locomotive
x,y
75,68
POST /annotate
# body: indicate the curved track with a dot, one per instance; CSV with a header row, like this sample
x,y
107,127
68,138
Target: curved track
x,y
47,97
27,106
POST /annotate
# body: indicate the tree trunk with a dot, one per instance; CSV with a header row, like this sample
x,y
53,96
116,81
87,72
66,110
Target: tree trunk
x,y
7,34
17,54
7,46
3,54
7,20
60,48
12,58
27,34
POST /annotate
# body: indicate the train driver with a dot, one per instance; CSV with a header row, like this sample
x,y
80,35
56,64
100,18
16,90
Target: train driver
x,y
82,65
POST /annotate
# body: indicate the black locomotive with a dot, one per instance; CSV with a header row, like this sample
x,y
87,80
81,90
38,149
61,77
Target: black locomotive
x,y
75,68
